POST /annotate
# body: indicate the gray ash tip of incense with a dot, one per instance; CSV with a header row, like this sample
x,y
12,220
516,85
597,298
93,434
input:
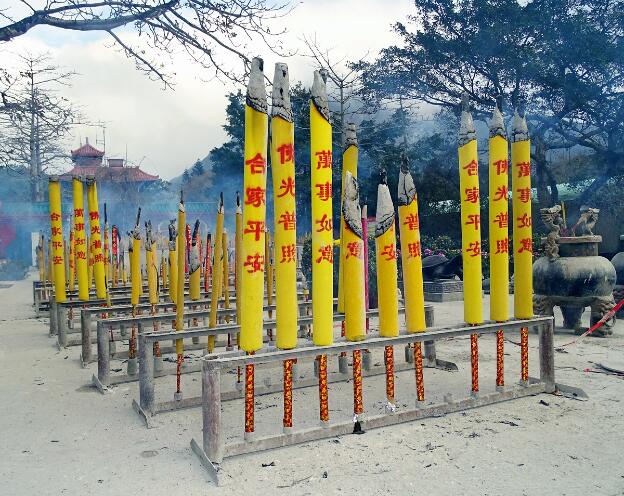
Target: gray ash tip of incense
x,y
280,98
349,136
181,207
256,91
407,189
351,205
319,96
519,129
497,125
172,245
467,131
194,258
53,179
90,180
385,210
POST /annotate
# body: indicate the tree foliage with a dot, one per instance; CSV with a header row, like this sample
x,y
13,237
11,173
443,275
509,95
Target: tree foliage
x,y
559,59
208,32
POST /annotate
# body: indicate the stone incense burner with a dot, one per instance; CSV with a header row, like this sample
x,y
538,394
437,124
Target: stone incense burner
x,y
572,275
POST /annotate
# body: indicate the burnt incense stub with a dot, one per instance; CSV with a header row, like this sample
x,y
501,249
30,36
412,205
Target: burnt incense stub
x,y
519,129
385,210
467,131
280,97
407,188
256,96
349,136
497,125
318,94
351,205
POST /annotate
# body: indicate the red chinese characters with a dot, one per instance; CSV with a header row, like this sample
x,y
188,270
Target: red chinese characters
x,y
389,252
501,193
354,249
257,164
524,194
287,187
411,221
472,195
323,159
255,227
474,249
288,221
471,168
79,212
325,224
254,263
288,253
524,221
324,192
95,229
502,245
94,216
286,152
54,216
255,196
413,250
326,254
474,220
526,244
502,219
501,167
524,169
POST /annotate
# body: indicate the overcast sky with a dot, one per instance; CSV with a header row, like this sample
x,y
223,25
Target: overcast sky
x,y
167,130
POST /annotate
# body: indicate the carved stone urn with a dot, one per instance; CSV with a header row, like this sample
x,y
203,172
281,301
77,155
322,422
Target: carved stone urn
x,y
574,278
618,263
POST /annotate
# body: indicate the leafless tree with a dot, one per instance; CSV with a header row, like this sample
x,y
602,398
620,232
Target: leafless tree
x,y
34,119
345,81
208,31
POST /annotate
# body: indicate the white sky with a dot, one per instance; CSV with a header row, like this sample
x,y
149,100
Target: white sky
x,y
167,130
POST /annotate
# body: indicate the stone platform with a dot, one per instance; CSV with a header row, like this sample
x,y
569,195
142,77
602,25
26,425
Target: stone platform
x,y
444,290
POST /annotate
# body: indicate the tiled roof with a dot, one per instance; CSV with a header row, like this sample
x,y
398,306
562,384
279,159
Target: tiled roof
x,y
87,150
111,174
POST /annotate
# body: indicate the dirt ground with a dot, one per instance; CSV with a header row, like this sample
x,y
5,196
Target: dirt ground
x,y
60,436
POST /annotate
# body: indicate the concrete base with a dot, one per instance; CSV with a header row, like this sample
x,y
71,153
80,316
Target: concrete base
x,y
442,297
444,290
133,366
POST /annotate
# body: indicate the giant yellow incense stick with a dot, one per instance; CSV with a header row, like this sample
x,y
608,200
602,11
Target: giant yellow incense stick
x,y
355,308
254,210
283,172
56,227
180,283
226,274
194,265
238,258
150,263
134,251
217,272
72,258
96,236
499,214
411,253
385,245
470,218
471,232
349,164
522,225
322,229
173,263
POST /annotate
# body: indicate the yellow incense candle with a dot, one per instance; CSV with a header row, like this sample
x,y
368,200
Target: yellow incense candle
x,y
96,236
173,263
180,286
226,273
91,262
470,218
499,215
522,223
283,172
349,164
269,268
411,252
385,249
134,251
354,305
152,269
72,259
56,227
50,265
254,211
239,258
322,229
217,273
194,265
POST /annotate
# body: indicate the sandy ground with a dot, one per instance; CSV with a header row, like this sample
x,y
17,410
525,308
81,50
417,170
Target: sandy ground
x,y
60,436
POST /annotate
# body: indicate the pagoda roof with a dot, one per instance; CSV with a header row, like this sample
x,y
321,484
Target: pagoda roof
x,y
109,174
87,150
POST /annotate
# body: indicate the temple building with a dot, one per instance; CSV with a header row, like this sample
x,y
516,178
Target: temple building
x,y
89,161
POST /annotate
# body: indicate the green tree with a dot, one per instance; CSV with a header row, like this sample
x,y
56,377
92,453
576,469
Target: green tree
x,y
198,168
